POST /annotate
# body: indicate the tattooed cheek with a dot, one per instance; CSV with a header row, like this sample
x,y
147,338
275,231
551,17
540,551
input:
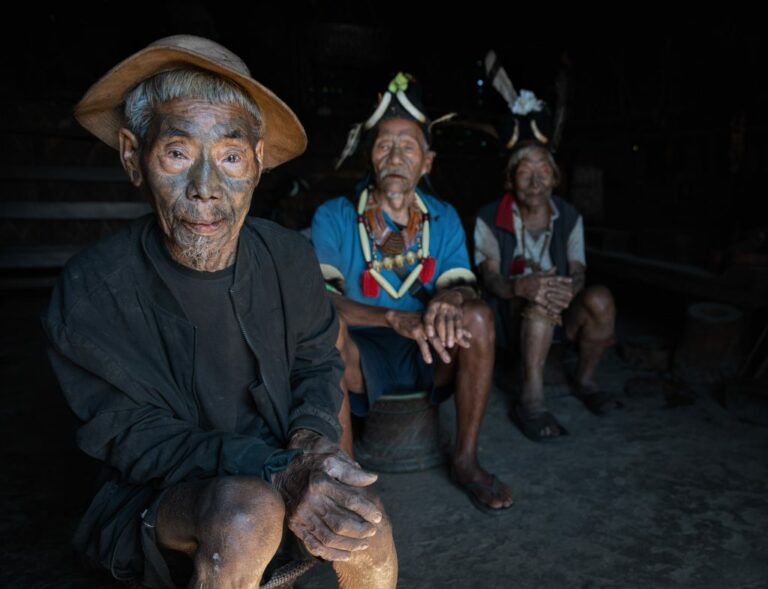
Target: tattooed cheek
x,y
178,182
236,184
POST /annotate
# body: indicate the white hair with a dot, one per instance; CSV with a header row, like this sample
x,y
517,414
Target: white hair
x,y
141,102
520,154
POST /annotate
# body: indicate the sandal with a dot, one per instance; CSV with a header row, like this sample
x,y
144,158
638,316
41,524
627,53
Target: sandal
x,y
533,424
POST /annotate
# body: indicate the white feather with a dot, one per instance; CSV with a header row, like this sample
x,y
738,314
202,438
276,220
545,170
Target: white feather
x,y
501,80
353,139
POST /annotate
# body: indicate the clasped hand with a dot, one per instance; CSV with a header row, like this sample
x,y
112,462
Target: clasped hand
x,y
553,293
439,328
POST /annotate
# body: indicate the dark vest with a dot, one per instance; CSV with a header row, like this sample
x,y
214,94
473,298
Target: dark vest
x,y
498,216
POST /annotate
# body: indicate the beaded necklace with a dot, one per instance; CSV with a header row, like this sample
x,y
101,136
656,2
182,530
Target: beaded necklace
x,y
371,278
531,263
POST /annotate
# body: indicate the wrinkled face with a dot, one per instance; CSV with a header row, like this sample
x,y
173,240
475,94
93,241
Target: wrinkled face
x,y
201,162
534,176
399,157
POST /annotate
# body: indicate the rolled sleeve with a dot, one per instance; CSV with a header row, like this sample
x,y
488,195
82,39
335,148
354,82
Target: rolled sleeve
x,y
486,244
453,257
326,239
576,244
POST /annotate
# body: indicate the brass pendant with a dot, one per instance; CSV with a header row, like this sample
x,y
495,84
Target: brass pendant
x,y
394,244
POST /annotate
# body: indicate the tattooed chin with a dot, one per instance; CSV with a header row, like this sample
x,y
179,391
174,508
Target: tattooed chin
x,y
197,248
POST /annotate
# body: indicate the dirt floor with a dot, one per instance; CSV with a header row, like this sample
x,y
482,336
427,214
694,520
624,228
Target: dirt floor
x,y
662,494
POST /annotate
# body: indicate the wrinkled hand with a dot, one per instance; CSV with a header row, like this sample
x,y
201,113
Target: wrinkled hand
x,y
444,319
440,326
411,325
553,293
326,505
314,443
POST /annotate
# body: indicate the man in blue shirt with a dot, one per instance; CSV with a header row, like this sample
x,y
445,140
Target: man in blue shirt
x,y
396,260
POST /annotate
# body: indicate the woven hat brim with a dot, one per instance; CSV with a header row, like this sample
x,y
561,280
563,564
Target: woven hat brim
x,y
100,110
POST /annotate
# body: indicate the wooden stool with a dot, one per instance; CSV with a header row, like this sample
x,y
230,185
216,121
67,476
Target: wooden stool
x,y
711,342
400,434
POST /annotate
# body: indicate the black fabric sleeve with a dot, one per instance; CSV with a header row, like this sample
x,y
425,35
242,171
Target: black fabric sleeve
x,y
126,424
317,366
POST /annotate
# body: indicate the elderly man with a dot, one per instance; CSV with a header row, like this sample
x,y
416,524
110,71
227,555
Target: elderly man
x,y
529,246
397,260
197,345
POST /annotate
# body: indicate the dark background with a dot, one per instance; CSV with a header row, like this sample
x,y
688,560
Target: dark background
x,y
664,149
670,109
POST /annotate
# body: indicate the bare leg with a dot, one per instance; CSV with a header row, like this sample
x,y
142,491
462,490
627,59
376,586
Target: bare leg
x,y
351,357
374,568
536,339
590,322
535,342
231,527
473,371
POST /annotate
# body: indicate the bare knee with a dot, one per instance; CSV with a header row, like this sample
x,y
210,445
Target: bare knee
x,y
599,303
343,337
345,344
381,547
478,319
242,509
352,379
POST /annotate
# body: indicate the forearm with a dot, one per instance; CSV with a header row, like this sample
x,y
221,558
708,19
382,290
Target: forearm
x,y
360,314
499,286
579,278
132,428
467,292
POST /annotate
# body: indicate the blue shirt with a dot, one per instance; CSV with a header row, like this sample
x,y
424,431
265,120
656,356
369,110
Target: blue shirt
x,y
337,245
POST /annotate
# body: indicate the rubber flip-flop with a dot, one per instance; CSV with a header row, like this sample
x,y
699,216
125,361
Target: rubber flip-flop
x,y
596,401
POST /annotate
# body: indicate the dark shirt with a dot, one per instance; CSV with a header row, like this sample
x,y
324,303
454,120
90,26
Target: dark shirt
x,y
225,363
126,355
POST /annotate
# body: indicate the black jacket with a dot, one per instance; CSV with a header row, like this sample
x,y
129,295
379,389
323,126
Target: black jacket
x,y
124,354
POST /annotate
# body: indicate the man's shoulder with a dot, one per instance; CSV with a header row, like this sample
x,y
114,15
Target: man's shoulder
x,y
270,229
99,269
110,253
106,257
285,245
567,210
438,208
273,234
487,212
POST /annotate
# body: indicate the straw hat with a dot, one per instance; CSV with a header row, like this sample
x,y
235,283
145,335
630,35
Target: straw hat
x,y
101,109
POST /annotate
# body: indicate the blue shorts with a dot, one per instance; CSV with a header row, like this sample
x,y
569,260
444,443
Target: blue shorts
x,y
391,364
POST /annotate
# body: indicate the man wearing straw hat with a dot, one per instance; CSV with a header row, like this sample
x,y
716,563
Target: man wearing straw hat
x,y
196,346
396,258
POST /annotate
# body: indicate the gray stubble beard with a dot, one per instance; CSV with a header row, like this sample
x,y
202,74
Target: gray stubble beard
x,y
197,250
